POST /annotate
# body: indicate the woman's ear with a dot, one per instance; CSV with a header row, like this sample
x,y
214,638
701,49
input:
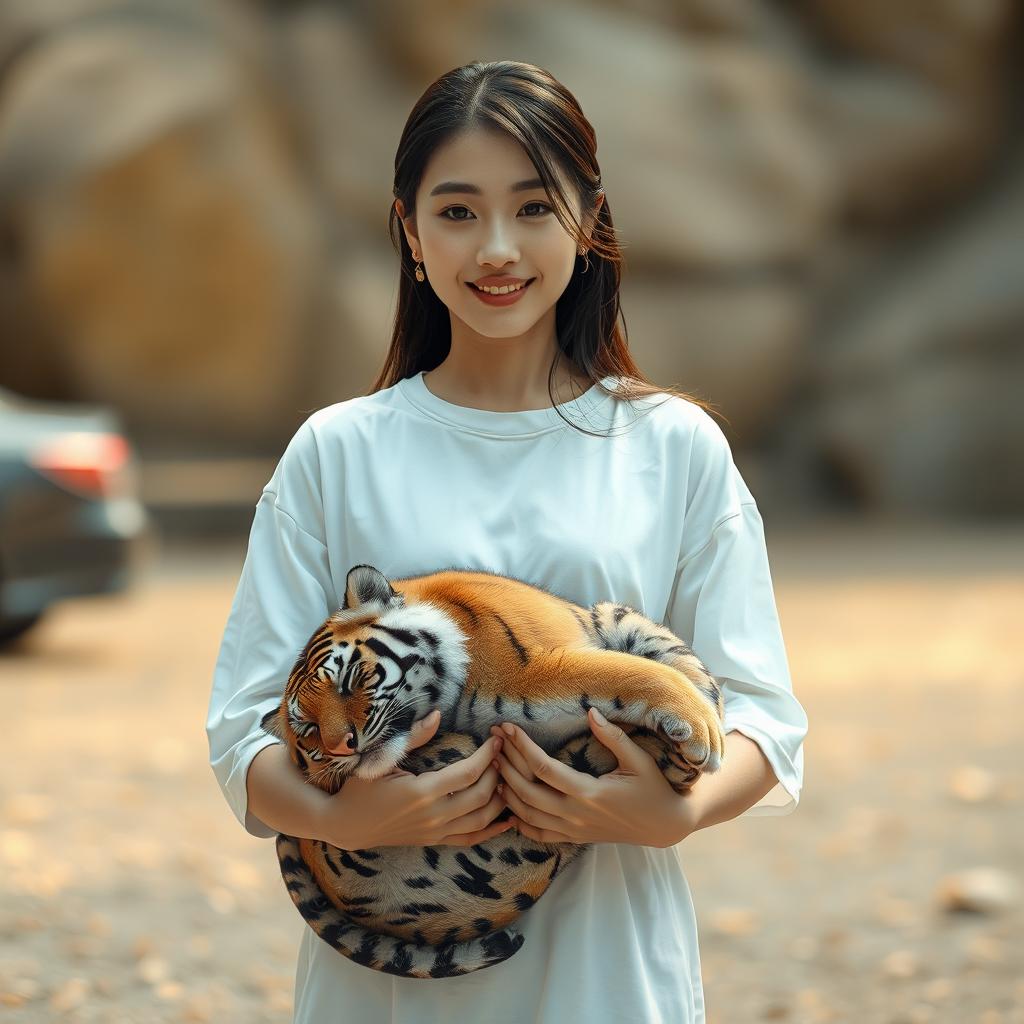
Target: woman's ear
x,y
409,226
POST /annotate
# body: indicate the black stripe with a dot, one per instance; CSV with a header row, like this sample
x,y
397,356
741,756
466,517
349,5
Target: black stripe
x,y
474,618
328,641
406,636
517,646
423,908
381,649
678,649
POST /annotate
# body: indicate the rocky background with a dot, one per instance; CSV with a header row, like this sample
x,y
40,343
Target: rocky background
x,y
822,204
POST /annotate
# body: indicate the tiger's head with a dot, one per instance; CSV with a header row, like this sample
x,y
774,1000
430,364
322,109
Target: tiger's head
x,y
364,677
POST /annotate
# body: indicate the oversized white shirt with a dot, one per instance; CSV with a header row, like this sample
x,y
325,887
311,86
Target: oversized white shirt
x,y
656,516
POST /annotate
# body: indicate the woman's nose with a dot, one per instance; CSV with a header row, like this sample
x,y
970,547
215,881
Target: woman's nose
x,y
499,249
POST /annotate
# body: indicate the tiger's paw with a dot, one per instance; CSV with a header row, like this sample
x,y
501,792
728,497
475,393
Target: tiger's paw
x,y
676,730
698,742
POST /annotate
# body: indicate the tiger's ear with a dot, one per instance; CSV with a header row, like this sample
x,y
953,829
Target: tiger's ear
x,y
366,583
271,722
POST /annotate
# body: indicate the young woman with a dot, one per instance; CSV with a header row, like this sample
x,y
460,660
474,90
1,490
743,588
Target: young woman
x,y
510,431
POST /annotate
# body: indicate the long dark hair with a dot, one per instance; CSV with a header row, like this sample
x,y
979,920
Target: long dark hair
x,y
529,105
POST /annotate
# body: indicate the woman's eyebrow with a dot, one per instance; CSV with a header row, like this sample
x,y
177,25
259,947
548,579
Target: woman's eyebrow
x,y
447,187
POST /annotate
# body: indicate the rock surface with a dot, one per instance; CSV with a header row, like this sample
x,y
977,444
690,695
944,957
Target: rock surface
x,y
208,251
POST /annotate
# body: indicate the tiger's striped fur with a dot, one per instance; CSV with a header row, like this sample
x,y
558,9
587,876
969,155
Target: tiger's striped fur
x,y
483,649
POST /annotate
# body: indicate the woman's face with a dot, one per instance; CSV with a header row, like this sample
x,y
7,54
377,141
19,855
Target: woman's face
x,y
503,230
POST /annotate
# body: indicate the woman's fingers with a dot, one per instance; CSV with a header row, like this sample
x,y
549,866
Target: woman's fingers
x,y
540,766
541,835
461,775
472,838
510,751
478,824
474,797
533,802
537,820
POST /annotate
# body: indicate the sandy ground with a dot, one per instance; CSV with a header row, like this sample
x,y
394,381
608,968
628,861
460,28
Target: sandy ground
x,y
130,893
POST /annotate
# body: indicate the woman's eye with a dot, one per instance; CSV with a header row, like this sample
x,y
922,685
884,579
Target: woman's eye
x,y
444,213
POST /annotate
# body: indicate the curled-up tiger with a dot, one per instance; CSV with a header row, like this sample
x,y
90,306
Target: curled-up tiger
x,y
483,649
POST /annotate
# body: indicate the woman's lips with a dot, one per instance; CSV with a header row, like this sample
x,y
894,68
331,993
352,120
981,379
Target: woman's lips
x,y
500,300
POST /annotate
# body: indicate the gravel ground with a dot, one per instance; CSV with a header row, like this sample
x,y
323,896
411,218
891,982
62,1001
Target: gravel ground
x,y
892,895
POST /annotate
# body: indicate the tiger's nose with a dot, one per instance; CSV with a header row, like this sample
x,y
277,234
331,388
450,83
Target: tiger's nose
x,y
343,748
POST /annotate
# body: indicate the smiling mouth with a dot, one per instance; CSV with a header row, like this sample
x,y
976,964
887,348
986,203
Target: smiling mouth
x,y
526,284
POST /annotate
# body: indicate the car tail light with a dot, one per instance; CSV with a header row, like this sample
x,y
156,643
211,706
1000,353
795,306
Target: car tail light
x,y
92,464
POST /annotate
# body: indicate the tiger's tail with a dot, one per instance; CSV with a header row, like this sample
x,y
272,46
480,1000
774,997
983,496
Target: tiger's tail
x,y
385,952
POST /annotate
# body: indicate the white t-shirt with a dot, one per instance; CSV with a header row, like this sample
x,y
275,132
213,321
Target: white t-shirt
x,y
656,516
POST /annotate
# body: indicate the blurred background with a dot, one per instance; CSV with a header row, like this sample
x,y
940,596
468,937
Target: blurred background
x,y
822,207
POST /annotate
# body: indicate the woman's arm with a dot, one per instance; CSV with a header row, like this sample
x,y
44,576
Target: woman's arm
x,y
281,798
745,777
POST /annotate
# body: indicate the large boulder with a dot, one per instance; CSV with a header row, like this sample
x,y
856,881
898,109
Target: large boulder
x,y
914,109
741,345
919,390
160,219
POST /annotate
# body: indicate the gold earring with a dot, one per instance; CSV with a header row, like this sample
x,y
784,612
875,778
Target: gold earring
x,y
420,276
583,249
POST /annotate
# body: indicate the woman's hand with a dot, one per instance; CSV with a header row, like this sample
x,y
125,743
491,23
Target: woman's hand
x,y
553,803
453,806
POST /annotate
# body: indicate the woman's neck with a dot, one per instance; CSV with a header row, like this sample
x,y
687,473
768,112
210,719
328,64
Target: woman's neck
x,y
508,390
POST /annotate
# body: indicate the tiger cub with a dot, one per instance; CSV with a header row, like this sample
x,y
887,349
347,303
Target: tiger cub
x,y
483,649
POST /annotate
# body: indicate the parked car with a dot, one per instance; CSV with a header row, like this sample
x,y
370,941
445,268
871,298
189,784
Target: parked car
x,y
71,522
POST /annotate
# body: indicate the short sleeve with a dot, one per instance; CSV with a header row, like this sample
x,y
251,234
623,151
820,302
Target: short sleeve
x,y
284,592
723,604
